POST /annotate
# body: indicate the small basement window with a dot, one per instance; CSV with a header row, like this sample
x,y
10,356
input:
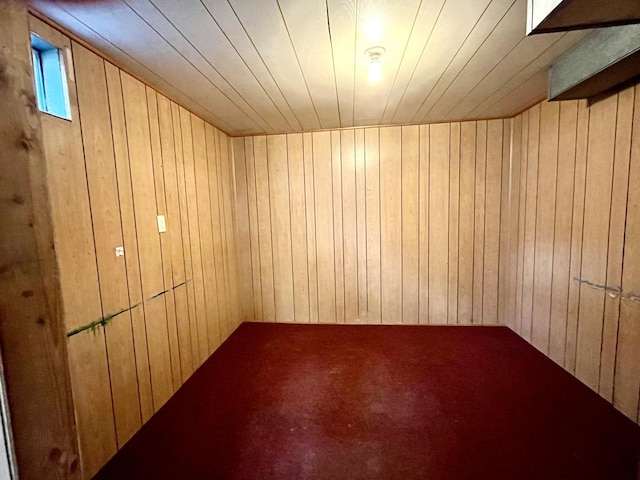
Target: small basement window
x,y
50,78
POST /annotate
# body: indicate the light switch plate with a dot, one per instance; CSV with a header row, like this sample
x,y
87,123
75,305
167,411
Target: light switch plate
x,y
119,251
162,224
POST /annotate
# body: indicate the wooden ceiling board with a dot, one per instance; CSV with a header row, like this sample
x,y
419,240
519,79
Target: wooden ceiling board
x,y
502,87
449,34
268,32
385,23
124,28
170,33
512,63
277,66
342,24
527,93
308,26
496,33
421,32
226,19
127,62
204,37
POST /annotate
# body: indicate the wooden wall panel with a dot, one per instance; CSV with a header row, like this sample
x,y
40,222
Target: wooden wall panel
x,y
545,226
627,372
372,221
76,258
577,269
454,212
423,226
410,208
165,245
192,337
439,137
493,187
298,209
245,274
325,248
137,324
217,280
385,223
281,226
150,257
391,223
338,252
32,332
201,169
174,238
263,206
201,313
349,239
105,215
229,239
480,189
561,279
127,219
466,221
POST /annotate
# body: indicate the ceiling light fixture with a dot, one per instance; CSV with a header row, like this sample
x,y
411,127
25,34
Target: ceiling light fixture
x,y
374,54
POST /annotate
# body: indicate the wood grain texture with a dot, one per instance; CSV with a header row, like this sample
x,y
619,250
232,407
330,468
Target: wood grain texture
x,y
76,257
288,67
127,219
576,265
383,221
32,331
107,228
127,156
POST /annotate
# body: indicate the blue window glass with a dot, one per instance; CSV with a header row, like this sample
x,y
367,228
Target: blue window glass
x,y
50,78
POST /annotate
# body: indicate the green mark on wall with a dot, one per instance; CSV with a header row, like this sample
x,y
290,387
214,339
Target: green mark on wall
x,y
104,321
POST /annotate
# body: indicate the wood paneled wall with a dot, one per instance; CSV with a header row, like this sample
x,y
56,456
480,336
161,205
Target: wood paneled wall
x,y
128,155
375,225
574,230
34,364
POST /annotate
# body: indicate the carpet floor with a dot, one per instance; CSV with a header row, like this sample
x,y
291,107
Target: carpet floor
x,y
280,401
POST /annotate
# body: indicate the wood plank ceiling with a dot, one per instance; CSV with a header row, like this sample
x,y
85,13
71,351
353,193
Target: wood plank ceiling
x,y
268,66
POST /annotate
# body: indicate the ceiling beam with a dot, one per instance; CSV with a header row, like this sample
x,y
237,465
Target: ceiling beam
x,y
607,58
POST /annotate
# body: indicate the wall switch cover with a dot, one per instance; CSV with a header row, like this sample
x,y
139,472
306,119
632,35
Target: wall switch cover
x,y
162,224
119,251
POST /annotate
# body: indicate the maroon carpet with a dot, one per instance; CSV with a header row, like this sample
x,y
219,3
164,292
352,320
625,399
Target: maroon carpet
x,y
387,402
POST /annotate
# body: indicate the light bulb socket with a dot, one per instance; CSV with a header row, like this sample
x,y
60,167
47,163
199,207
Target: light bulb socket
x,y
374,54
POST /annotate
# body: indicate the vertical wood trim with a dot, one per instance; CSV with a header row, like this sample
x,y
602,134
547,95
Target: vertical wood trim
x,y
35,359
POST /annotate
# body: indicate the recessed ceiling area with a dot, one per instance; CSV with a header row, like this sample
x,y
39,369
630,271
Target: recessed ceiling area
x,y
274,66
